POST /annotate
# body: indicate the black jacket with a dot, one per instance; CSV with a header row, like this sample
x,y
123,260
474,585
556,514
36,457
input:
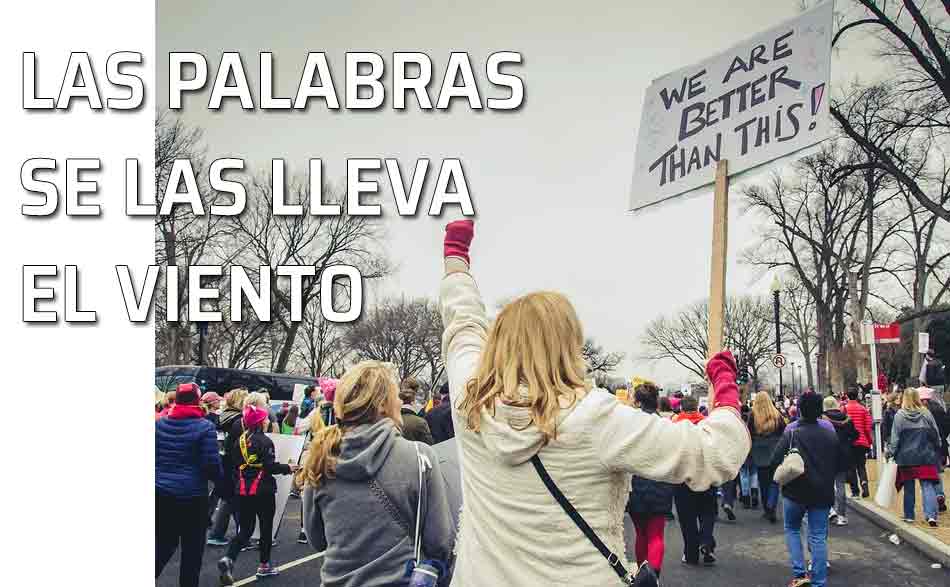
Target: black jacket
x,y
817,442
259,445
440,423
887,422
847,434
943,424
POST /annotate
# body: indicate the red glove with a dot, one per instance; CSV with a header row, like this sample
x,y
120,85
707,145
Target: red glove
x,y
721,370
458,237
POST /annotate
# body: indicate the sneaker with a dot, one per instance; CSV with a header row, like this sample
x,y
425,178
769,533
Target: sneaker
x,y
217,541
755,498
865,492
709,558
688,563
266,570
841,521
729,512
909,520
941,503
226,571
645,576
832,514
302,537
800,582
932,522
770,516
252,544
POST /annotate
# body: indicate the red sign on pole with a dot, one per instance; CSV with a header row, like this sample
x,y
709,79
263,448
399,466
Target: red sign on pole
x,y
887,333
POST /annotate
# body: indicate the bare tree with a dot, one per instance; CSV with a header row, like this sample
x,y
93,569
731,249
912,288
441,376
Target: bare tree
x,y
600,362
259,238
797,315
321,348
407,333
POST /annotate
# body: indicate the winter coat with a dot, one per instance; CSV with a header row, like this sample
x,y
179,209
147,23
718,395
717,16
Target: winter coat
x,y
887,422
186,456
649,497
440,423
817,443
943,423
933,373
763,445
862,422
513,532
414,427
261,447
365,516
847,434
915,439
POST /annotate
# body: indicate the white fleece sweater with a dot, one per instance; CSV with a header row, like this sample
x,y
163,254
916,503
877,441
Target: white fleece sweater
x,y
512,530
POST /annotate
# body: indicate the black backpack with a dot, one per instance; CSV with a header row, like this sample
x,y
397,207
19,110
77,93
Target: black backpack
x,y
935,373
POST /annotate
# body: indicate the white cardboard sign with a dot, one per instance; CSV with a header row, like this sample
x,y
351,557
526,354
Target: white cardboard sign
x,y
762,99
287,448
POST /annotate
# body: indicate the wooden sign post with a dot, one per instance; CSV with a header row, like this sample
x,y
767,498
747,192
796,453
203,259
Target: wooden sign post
x,y
717,275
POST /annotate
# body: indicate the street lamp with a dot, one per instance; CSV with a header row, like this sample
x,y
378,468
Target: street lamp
x,y
793,379
776,291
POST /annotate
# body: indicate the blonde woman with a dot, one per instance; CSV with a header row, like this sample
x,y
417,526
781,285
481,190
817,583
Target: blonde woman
x,y
915,447
766,426
362,487
518,391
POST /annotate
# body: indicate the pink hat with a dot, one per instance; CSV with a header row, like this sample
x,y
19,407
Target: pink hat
x,y
210,397
674,402
253,416
328,387
926,393
187,393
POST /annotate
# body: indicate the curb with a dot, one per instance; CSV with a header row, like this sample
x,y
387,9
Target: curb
x,y
917,538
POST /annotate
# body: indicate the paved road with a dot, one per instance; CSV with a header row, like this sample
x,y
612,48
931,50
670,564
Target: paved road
x,y
751,552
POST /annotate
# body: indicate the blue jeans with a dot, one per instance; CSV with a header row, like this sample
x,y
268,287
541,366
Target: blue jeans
x,y
928,489
729,493
748,479
817,540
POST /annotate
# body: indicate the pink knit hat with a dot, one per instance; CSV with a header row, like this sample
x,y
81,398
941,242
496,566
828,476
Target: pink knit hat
x,y
253,416
926,393
328,387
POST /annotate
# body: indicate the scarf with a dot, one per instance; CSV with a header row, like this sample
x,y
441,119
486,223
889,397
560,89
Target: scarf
x,y
182,412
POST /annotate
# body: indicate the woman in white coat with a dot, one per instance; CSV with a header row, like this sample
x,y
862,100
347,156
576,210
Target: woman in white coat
x,y
518,389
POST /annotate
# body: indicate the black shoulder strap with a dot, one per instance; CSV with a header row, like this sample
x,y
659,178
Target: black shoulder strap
x,y
612,559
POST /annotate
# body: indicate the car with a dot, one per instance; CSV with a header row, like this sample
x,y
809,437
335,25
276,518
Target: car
x,y
280,386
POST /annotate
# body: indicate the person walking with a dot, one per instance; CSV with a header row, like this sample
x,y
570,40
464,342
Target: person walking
x,y
256,492
859,448
414,426
932,401
887,419
649,501
440,418
748,476
915,447
847,434
812,494
230,425
766,427
523,410
369,491
186,460
696,510
933,373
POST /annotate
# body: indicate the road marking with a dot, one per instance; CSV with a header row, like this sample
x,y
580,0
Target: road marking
x,y
283,567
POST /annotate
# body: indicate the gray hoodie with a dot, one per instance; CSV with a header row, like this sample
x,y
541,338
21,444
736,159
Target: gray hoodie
x,y
915,439
365,518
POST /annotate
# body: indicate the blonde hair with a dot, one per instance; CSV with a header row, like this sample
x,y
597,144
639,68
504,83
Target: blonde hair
x,y
766,418
235,399
367,393
911,401
534,343
257,399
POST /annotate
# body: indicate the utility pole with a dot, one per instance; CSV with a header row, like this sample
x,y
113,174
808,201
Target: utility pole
x,y
776,291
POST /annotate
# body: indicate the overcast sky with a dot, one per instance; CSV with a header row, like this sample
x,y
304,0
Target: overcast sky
x,y
550,182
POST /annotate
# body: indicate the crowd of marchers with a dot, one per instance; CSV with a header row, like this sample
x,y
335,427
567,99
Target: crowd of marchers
x,y
522,472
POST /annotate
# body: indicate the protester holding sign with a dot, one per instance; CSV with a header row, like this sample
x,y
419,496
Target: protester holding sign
x,y
256,490
362,503
519,392
186,460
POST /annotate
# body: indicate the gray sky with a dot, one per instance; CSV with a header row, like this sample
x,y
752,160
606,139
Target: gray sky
x,y
550,182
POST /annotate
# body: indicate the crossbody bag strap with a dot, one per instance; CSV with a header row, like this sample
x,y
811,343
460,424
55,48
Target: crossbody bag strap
x,y
612,559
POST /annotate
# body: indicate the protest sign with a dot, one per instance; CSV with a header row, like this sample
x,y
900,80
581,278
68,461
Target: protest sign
x,y
287,449
762,99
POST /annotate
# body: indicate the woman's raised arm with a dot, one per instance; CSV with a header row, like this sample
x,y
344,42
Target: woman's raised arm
x,y
463,312
701,455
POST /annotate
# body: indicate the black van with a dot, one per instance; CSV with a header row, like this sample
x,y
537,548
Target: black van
x,y
222,380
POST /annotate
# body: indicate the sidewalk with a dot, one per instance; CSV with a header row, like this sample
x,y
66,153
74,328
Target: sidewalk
x,y
932,542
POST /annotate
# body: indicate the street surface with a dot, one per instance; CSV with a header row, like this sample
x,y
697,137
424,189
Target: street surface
x,y
751,552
